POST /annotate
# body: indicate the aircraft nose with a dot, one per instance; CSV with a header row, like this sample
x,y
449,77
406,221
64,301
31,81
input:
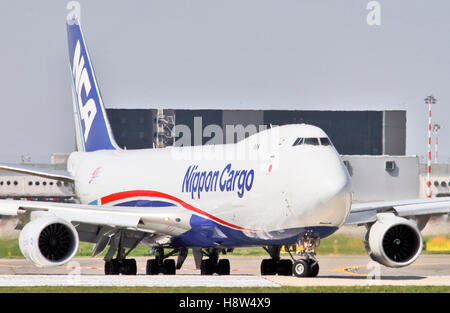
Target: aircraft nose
x,y
333,176
334,190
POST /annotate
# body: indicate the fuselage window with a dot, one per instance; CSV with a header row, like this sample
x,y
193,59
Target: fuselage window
x,y
311,141
325,141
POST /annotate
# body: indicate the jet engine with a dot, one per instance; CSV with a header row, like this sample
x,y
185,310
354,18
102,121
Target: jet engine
x,y
393,241
48,241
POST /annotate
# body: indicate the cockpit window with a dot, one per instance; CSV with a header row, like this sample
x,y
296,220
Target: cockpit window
x,y
324,141
298,141
311,141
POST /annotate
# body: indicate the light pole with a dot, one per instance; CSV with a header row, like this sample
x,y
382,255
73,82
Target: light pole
x,y
436,128
429,100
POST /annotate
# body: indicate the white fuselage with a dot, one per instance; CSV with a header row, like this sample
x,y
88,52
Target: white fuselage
x,y
262,183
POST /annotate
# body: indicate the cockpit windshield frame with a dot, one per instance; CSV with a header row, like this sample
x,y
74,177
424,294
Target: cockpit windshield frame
x,y
312,141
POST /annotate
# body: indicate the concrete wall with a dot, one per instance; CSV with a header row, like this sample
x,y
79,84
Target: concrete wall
x,y
372,182
394,132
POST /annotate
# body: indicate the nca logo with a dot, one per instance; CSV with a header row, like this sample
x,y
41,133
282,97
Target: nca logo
x,y
88,110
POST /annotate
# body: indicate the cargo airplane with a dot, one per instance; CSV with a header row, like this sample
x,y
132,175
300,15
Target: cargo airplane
x,y
283,186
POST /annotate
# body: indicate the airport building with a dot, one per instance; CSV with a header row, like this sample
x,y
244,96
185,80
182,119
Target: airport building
x,y
352,132
372,145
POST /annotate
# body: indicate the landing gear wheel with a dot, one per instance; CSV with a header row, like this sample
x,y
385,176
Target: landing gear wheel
x,y
152,267
212,264
274,267
314,269
169,267
284,268
112,267
166,268
207,267
125,267
223,267
301,268
268,267
130,267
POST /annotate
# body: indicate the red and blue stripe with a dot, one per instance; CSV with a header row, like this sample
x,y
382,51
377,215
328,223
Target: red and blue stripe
x,y
158,203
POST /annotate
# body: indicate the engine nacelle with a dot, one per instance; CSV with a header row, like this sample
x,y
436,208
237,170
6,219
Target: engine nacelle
x,y
393,241
48,241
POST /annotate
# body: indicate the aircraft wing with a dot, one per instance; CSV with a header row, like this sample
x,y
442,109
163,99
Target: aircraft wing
x,y
153,219
91,221
31,170
364,213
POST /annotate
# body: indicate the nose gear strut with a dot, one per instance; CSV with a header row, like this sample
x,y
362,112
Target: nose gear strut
x,y
307,265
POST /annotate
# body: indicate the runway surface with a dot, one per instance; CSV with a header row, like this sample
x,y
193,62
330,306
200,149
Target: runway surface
x,y
334,271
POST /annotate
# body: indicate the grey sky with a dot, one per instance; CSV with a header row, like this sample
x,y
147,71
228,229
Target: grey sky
x,y
243,54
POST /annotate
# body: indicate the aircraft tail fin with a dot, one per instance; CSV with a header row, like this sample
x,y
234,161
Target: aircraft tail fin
x,y
93,130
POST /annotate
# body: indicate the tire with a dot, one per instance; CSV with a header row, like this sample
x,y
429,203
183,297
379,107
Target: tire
x,y
268,267
285,268
314,269
206,267
130,267
301,268
152,267
169,267
108,268
112,267
223,267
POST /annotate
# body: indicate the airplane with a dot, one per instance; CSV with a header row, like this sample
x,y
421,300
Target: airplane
x,y
283,186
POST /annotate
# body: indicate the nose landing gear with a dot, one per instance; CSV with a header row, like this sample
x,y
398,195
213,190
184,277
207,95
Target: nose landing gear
x,y
307,265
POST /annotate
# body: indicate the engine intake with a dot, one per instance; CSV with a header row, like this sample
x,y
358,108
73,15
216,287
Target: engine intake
x,y
393,241
49,241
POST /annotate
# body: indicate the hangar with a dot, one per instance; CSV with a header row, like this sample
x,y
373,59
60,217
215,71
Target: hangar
x,y
352,132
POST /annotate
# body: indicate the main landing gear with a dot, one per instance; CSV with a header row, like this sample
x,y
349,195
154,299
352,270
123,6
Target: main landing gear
x,y
306,266
275,265
212,264
119,265
161,264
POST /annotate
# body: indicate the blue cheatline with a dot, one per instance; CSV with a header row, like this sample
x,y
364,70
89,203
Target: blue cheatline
x,y
208,233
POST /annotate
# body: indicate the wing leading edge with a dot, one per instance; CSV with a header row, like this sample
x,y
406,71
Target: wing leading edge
x,y
364,213
166,221
42,172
